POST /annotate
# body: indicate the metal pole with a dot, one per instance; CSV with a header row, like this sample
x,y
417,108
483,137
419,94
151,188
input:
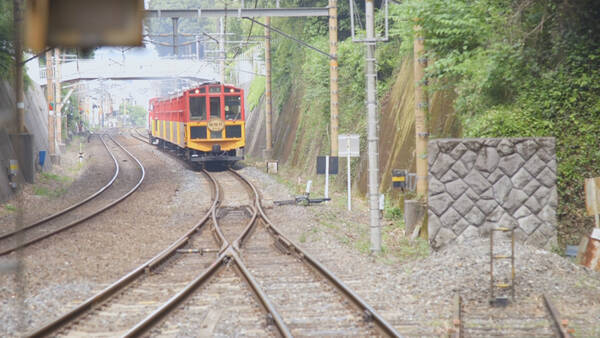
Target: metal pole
x,y
372,126
421,134
197,47
18,43
50,96
348,174
268,112
58,100
222,50
175,19
326,176
333,76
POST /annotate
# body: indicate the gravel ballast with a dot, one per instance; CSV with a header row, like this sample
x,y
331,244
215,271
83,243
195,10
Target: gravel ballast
x,y
415,296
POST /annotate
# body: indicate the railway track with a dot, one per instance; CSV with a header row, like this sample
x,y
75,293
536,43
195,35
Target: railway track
x,y
532,317
225,297
79,212
138,135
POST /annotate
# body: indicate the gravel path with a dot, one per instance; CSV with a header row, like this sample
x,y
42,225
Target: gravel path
x,y
66,184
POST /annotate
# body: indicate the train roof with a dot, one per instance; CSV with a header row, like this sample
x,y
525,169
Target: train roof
x,y
182,91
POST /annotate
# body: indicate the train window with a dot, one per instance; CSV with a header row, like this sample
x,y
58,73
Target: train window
x,y
198,108
202,90
215,107
233,108
214,89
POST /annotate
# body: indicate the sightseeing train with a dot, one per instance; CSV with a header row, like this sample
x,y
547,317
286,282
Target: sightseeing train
x,y
203,124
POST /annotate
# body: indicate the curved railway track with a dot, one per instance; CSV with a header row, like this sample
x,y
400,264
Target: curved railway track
x,y
226,296
74,214
140,136
533,317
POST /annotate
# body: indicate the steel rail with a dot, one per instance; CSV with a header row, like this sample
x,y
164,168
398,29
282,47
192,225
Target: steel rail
x,y
226,254
112,289
169,305
382,324
457,331
48,218
82,219
139,137
556,318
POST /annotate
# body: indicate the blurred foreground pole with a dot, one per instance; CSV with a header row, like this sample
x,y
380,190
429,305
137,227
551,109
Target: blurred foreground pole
x,y
23,151
18,45
372,130
421,109
333,76
268,113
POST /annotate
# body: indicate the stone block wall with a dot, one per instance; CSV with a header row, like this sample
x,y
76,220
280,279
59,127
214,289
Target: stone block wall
x,y
479,184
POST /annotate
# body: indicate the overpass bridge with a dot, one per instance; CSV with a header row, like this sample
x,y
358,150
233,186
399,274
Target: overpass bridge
x,y
150,69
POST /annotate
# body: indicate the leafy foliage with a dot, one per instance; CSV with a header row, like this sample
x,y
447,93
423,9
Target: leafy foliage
x,y
520,68
6,36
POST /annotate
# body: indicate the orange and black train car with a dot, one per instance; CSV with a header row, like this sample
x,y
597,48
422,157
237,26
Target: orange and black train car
x,y
203,124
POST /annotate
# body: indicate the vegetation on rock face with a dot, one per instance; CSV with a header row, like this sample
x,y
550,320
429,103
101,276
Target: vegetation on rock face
x,y
6,36
522,68
518,68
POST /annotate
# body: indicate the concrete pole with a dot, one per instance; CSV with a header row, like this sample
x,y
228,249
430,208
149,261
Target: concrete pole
x,y
268,107
58,100
372,130
18,43
333,76
175,21
222,50
421,109
50,96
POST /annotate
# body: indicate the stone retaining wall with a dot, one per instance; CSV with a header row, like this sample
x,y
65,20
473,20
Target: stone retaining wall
x,y
479,184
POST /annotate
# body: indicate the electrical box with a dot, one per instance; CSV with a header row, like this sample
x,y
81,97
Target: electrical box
x,y
83,23
399,178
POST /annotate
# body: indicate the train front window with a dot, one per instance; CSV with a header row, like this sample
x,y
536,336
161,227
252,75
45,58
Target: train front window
x,y
233,109
198,108
215,107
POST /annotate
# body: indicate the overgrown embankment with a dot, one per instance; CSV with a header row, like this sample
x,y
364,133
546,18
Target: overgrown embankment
x,y
497,69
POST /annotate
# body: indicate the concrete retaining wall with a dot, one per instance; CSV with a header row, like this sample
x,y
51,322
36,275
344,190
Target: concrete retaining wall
x,y
479,184
36,121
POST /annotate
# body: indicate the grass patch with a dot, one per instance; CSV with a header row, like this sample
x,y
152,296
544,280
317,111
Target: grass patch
x,y
10,208
46,177
45,191
76,168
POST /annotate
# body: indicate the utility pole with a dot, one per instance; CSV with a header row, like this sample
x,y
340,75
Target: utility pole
x,y
58,107
372,130
333,76
51,107
222,50
268,112
421,109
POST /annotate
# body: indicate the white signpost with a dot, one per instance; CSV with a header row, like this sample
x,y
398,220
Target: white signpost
x,y
349,146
